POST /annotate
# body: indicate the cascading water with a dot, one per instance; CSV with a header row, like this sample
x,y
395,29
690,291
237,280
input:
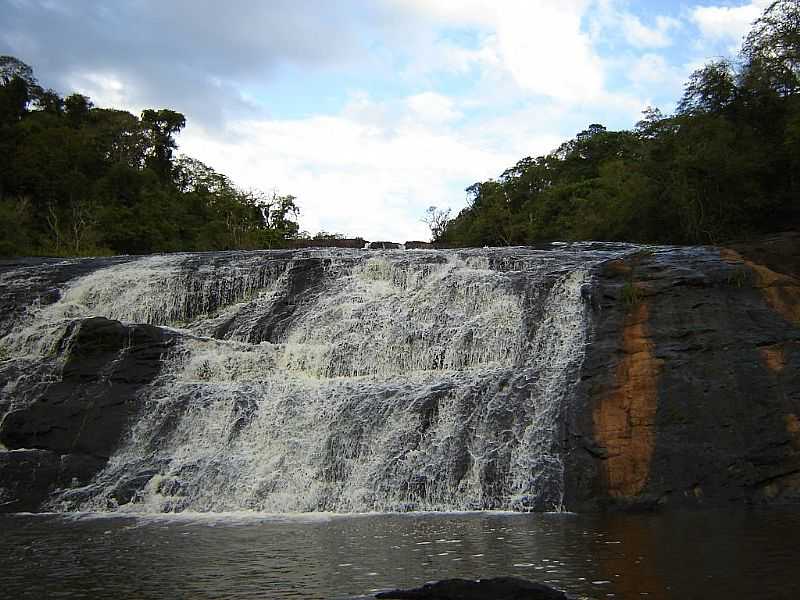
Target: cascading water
x,y
329,379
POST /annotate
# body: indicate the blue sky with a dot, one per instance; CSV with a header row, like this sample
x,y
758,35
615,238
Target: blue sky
x,y
371,111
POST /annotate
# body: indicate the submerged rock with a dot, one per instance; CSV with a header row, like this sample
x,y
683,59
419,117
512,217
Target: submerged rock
x,y
498,588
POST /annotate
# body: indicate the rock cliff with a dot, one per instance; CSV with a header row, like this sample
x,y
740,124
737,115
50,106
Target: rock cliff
x,y
690,391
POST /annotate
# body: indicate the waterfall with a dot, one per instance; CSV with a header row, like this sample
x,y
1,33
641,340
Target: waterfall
x,y
333,380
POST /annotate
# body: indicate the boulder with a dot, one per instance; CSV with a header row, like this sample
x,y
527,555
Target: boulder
x,y
498,588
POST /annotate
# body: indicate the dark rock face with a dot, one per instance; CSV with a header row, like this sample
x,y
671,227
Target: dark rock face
x,y
88,409
498,588
690,391
75,423
303,278
28,476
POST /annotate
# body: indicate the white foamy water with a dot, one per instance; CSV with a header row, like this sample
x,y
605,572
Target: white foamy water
x,y
337,380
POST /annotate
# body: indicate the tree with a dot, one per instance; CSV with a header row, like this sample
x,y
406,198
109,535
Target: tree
x,y
280,213
160,127
17,84
119,136
13,68
192,175
325,236
436,219
77,108
711,89
772,48
50,102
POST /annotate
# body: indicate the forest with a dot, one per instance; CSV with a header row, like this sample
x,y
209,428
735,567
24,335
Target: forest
x,y
725,165
77,180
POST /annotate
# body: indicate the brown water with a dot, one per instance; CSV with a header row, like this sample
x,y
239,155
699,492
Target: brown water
x,y
709,555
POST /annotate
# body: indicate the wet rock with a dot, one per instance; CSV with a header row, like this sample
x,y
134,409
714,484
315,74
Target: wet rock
x,y
72,425
27,477
688,393
125,490
690,389
303,279
88,409
498,588
41,282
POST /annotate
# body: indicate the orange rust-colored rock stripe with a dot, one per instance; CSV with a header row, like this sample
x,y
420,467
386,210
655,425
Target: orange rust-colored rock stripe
x,y
773,357
782,292
624,420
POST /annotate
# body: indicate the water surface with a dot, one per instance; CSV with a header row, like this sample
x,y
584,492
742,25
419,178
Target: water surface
x,y
728,554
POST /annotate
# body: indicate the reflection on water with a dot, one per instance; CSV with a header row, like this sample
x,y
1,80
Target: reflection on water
x,y
686,555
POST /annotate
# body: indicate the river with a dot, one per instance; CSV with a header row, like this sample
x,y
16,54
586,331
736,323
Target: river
x,y
700,554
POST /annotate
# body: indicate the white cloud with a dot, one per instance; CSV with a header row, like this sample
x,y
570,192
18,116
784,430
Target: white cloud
x,y
374,167
640,35
650,69
727,23
546,51
193,55
540,43
350,173
105,90
433,107
462,12
444,56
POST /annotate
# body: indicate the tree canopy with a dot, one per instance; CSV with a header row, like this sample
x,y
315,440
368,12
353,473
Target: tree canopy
x,y
79,180
725,165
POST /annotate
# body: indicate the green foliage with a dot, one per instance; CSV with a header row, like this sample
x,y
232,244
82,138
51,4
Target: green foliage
x,y
711,89
327,236
740,277
725,165
631,294
78,180
771,50
159,127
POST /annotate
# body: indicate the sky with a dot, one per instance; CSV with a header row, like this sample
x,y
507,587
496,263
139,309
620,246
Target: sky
x,y
370,111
